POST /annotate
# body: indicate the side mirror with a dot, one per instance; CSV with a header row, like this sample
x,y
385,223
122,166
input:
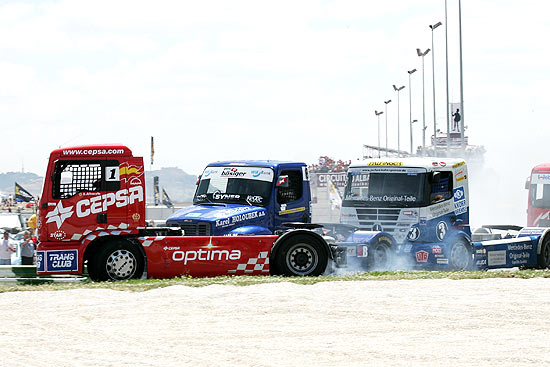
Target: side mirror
x,y
282,181
198,179
527,183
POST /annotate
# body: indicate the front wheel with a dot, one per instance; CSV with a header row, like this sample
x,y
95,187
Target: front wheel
x,y
461,256
117,260
380,257
301,255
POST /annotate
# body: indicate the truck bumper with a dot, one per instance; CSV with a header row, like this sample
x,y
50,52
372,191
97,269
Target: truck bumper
x,y
59,258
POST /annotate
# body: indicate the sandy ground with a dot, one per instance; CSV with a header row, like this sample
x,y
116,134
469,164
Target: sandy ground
x,y
492,322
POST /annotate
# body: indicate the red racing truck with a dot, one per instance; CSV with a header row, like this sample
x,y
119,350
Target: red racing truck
x,y
92,211
538,204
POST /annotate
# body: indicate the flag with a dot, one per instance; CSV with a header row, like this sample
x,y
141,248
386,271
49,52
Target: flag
x,y
21,194
156,189
152,149
166,199
334,196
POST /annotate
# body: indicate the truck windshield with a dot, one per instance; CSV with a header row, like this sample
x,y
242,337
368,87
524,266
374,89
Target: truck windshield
x,y
380,189
540,190
238,185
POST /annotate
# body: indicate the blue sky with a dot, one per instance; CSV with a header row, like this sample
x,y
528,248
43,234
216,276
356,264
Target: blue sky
x,y
218,80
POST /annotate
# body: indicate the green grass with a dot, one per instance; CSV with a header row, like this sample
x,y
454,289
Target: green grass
x,y
144,285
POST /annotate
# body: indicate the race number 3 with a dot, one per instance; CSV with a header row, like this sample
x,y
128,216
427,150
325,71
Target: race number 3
x,y
112,173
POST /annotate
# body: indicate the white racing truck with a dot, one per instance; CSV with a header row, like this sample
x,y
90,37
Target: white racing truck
x,y
419,209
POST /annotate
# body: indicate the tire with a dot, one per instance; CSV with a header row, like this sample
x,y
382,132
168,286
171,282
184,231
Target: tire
x,y
380,257
301,255
461,256
543,258
91,272
116,260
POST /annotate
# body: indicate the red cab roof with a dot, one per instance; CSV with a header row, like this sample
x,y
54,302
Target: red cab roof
x,y
544,167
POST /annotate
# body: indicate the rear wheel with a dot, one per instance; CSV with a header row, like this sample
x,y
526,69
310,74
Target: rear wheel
x,y
301,255
117,260
543,258
460,256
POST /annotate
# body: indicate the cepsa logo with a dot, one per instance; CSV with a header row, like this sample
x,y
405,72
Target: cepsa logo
x,y
95,205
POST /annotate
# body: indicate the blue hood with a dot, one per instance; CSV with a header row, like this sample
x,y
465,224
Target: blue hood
x,y
223,217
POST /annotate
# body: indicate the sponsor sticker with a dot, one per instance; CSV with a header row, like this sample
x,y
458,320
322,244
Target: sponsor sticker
x,y
57,261
394,164
362,251
459,199
460,164
290,211
251,173
239,218
205,255
540,178
496,258
436,250
351,251
40,265
531,232
94,205
422,256
254,199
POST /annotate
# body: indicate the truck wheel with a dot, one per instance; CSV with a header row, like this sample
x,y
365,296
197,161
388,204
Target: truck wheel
x,y
460,256
301,255
380,257
543,258
117,260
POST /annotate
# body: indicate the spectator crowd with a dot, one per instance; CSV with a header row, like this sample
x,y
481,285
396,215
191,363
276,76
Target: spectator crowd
x,y
327,164
25,241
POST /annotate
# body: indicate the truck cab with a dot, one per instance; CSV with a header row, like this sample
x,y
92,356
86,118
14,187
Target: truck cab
x,y
246,198
89,189
538,203
421,203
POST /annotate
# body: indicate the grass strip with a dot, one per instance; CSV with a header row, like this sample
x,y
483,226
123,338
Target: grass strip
x,y
138,285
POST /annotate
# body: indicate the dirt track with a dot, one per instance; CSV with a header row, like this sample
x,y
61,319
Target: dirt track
x,y
488,322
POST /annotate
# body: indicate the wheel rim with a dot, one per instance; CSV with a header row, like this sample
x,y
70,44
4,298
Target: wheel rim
x,y
460,256
302,259
121,264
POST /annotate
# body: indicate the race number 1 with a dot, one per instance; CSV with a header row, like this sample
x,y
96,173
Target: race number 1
x,y
112,173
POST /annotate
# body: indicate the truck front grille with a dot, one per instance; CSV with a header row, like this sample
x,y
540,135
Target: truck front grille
x,y
195,229
387,218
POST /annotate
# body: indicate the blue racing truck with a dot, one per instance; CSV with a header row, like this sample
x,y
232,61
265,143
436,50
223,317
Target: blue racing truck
x,y
246,198
414,212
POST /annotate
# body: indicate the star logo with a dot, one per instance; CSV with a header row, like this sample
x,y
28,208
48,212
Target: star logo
x,y
59,214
